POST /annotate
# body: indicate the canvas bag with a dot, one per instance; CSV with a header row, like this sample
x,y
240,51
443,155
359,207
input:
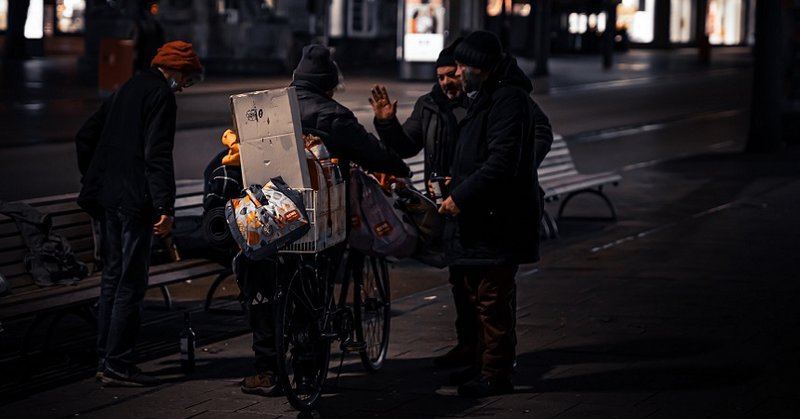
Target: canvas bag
x,y
430,225
267,218
379,226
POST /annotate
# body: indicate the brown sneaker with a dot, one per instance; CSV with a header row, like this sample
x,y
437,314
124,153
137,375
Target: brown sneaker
x,y
460,356
264,384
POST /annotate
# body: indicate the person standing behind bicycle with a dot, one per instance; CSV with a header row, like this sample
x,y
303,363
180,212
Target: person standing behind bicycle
x,y
495,204
433,126
315,78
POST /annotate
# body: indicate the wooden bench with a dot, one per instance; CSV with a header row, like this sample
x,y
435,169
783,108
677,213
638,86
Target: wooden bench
x,y
561,181
30,300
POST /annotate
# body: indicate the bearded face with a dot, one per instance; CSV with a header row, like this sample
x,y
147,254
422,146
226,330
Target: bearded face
x,y
449,81
471,77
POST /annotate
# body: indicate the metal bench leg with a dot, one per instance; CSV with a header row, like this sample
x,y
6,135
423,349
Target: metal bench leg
x,y
213,289
167,297
549,227
596,192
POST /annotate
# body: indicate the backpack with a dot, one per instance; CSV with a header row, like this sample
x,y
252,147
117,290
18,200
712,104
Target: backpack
x,y
50,259
267,218
52,262
378,225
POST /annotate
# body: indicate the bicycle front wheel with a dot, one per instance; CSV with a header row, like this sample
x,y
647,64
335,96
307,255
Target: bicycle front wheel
x,y
302,350
372,310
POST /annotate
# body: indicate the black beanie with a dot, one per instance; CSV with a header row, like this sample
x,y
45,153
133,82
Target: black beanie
x,y
446,56
479,49
316,67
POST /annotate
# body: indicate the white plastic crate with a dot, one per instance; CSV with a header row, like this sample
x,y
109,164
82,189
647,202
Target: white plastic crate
x,y
327,217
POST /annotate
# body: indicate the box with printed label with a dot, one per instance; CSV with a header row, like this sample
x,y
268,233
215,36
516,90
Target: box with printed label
x,y
270,137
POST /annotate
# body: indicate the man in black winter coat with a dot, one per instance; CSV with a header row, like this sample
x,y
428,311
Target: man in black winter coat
x,y
315,79
495,203
125,158
433,126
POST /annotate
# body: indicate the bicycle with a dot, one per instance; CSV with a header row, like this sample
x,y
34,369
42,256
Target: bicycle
x,y
309,317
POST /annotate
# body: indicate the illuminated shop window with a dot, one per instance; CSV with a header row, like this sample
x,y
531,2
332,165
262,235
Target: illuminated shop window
x,y
601,22
495,7
573,23
522,9
70,15
636,17
516,8
681,20
3,14
34,25
724,22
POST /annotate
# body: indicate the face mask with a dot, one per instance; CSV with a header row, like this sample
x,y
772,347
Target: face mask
x,y
173,84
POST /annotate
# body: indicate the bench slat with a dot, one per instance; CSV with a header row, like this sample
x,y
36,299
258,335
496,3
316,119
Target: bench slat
x,y
74,224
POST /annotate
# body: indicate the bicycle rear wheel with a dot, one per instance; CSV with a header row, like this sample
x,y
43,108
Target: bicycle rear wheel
x,y
303,352
372,310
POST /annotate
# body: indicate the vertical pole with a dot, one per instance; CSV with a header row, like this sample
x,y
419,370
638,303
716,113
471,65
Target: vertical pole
x,y
542,11
766,111
15,31
610,32
701,35
661,23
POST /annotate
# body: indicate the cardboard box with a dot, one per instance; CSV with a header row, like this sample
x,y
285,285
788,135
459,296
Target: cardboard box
x,y
270,137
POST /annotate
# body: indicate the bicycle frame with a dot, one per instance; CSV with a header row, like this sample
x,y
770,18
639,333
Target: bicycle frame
x,y
310,314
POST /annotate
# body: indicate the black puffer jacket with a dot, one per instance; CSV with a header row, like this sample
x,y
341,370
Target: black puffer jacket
x,y
431,126
125,150
502,141
348,140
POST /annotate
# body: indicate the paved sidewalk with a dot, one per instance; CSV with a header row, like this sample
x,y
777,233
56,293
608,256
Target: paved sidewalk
x,y
684,308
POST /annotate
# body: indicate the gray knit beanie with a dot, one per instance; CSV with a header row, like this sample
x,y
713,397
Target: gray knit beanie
x,y
317,67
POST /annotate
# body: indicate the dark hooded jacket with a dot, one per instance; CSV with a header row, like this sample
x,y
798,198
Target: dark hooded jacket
x,y
503,139
431,126
347,139
125,150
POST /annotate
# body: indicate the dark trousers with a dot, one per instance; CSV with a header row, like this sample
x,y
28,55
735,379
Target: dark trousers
x,y
466,316
126,261
492,291
257,282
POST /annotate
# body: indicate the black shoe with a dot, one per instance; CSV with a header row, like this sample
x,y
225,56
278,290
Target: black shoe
x,y
461,377
486,386
133,377
459,356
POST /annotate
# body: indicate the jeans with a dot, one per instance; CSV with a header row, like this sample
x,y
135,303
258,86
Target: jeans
x,y
257,283
126,261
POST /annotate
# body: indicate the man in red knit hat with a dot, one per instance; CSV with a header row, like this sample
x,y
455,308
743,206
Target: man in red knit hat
x,y
125,159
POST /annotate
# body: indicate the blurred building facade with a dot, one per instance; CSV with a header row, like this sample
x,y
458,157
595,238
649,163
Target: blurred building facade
x,y
258,36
